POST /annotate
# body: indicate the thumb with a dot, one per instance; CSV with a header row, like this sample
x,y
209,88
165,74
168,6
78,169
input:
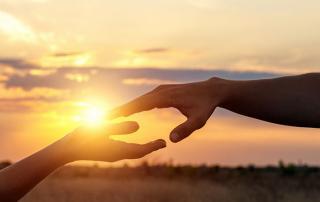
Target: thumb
x,y
186,128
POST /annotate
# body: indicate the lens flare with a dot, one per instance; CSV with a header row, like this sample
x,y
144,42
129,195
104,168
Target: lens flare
x,y
91,113
94,116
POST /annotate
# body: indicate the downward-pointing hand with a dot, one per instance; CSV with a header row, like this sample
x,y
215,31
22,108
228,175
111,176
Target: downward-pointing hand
x,y
194,100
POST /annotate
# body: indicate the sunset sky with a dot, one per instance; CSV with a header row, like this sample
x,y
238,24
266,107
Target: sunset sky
x,y
59,58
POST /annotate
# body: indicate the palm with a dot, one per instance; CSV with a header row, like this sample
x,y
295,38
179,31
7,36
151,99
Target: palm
x,y
95,143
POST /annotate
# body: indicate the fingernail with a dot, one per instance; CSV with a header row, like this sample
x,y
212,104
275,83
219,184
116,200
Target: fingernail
x,y
174,137
160,143
163,144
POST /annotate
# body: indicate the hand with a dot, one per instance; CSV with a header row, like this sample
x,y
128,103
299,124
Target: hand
x,y
196,101
95,144
82,144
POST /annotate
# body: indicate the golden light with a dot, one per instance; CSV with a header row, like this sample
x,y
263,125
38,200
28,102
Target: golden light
x,y
82,59
73,59
15,29
91,114
94,116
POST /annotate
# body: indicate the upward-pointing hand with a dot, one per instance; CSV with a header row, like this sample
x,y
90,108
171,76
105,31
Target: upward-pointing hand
x,y
94,143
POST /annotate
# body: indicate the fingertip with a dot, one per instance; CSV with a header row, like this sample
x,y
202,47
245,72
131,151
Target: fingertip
x,y
133,125
162,143
158,144
129,126
175,137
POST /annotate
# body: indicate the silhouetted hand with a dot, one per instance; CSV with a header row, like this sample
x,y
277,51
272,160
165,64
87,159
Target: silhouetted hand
x,y
87,143
196,101
82,144
289,100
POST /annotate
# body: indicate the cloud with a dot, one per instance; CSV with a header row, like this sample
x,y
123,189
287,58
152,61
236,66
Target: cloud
x,y
78,77
140,79
63,59
146,81
47,85
15,29
152,50
17,63
294,61
17,99
66,54
37,93
42,72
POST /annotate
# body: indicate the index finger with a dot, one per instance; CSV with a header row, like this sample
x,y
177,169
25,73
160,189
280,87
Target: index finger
x,y
143,103
110,129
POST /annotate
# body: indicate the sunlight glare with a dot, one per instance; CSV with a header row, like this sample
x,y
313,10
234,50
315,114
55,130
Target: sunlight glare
x,y
15,29
94,116
91,114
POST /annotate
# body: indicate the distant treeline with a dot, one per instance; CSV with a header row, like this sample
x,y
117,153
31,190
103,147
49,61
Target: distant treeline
x,y
214,172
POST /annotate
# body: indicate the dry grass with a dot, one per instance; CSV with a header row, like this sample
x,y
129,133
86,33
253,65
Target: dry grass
x,y
166,183
151,189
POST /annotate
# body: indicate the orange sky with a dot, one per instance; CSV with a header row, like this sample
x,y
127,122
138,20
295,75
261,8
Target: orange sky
x,y
59,58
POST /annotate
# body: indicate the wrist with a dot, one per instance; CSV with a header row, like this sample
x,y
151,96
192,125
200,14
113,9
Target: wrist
x,y
62,151
220,90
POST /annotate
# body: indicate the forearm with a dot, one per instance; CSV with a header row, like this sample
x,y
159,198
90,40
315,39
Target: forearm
x,y
19,178
292,100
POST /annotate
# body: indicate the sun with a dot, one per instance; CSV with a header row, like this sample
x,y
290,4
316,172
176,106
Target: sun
x,y
94,116
90,114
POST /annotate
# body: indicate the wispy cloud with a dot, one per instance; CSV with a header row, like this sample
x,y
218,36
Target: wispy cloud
x,y
124,82
62,59
78,77
19,94
66,54
21,81
152,50
17,63
238,35
14,29
146,81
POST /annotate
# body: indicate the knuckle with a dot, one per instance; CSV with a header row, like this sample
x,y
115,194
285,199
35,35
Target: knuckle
x,y
171,98
163,86
159,87
154,90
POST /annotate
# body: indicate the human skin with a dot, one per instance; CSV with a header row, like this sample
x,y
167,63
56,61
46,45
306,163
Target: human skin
x,y
81,144
290,100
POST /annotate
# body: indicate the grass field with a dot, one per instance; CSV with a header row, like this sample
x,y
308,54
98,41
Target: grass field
x,y
185,184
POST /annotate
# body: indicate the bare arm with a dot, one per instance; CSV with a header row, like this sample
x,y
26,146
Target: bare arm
x,y
292,100
17,179
82,144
